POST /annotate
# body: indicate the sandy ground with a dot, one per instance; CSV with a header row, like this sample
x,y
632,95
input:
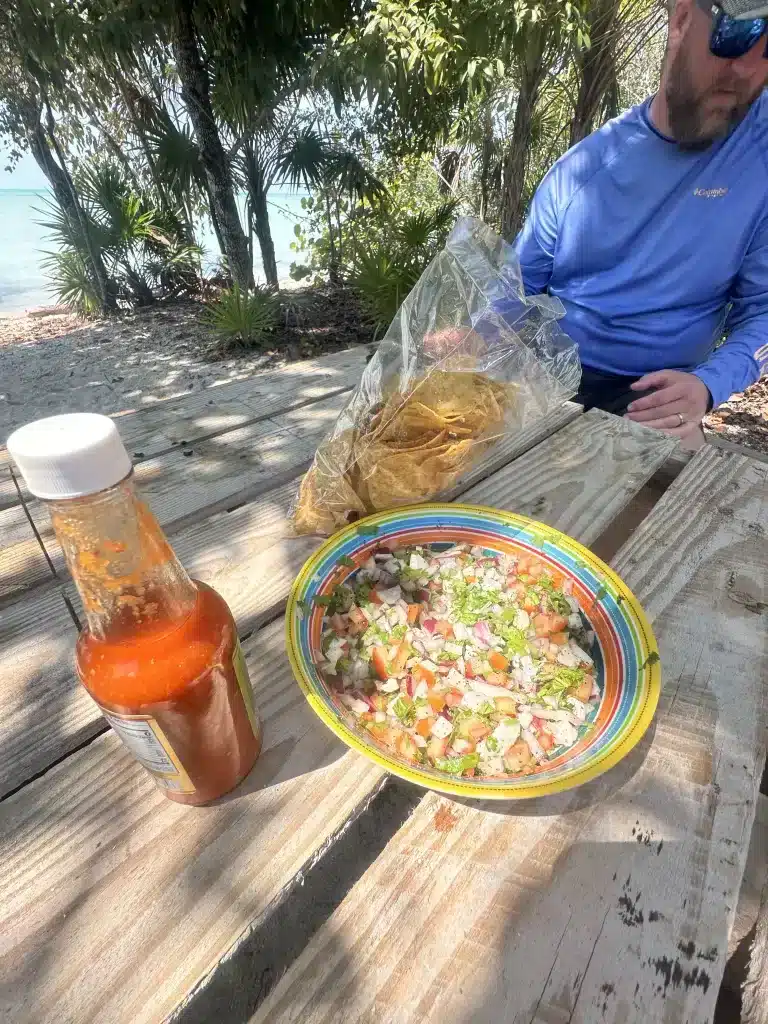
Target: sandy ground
x,y
52,362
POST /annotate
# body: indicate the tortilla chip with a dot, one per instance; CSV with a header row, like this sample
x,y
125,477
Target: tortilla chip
x,y
417,445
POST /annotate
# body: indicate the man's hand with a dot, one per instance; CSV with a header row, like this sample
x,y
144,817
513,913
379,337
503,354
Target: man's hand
x,y
677,404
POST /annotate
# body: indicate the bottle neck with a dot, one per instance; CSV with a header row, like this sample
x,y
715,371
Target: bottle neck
x,y
126,571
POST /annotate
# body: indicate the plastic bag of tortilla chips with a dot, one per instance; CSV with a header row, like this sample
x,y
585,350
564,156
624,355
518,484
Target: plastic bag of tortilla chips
x,y
467,364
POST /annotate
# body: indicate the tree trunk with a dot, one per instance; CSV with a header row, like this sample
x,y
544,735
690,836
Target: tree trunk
x,y
516,165
596,65
532,74
195,91
334,270
485,165
264,235
65,193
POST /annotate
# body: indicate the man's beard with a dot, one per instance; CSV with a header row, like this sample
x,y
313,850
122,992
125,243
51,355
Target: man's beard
x,y
691,127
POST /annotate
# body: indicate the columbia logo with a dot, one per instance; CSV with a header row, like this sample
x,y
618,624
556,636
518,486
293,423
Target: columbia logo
x,y
711,193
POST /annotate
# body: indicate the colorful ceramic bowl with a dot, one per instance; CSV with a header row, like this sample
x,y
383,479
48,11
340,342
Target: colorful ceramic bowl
x,y
625,651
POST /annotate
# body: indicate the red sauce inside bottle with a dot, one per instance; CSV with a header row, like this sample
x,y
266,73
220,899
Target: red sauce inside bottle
x,y
183,676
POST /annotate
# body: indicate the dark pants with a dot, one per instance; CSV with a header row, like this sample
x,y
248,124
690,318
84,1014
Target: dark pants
x,y
607,391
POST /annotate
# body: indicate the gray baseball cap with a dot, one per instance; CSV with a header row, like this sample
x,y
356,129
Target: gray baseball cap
x,y
743,9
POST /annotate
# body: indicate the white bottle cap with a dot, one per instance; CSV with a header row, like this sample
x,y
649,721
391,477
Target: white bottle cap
x,y
69,456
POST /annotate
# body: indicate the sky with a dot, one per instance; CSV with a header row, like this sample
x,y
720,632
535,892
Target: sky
x,y
25,175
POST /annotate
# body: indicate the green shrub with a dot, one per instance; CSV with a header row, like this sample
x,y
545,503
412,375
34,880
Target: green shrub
x,y
243,317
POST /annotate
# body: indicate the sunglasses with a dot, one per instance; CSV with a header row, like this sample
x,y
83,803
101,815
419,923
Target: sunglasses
x,y
732,37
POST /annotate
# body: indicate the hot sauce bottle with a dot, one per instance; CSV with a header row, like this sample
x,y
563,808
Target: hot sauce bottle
x,y
160,654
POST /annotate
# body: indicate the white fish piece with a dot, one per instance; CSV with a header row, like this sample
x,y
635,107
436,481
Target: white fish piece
x,y
357,707
423,712
554,715
380,717
487,689
421,691
392,567
460,631
567,658
390,686
457,681
417,562
580,654
391,596
578,707
574,621
524,718
574,605
419,741
473,700
490,765
522,619
506,734
536,748
441,728
565,733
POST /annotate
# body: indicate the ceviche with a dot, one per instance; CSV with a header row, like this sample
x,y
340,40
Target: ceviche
x,y
473,663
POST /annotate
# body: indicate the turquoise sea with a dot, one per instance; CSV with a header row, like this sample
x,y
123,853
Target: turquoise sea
x,y
23,243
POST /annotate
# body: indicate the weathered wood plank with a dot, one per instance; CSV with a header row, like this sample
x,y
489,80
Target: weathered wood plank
x,y
248,554
155,429
115,900
184,485
613,902
151,894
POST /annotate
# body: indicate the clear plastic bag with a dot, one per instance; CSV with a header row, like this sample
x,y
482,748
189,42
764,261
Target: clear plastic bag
x,y
467,362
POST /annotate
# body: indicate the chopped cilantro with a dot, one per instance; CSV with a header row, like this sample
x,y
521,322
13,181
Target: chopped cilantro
x,y
492,745
652,659
341,600
457,765
324,600
347,561
405,710
515,641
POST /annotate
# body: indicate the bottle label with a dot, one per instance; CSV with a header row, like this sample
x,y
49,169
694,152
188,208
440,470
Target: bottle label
x,y
149,745
244,682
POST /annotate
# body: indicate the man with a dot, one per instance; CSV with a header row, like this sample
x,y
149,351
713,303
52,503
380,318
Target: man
x,y
654,230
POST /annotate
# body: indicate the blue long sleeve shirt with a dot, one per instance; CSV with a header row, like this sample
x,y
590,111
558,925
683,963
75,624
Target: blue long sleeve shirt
x,y
655,251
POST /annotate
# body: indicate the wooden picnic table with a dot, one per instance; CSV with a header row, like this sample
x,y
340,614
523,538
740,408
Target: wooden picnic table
x,y
612,902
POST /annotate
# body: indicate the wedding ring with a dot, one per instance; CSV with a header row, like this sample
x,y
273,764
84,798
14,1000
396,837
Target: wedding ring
x,y
681,418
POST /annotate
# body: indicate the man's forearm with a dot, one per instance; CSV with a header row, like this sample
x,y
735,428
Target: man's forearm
x,y
737,363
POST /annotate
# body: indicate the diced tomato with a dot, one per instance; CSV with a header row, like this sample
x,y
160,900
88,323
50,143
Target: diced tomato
x,y
546,740
557,578
516,589
357,621
498,662
436,701
558,623
536,724
434,586
582,692
542,624
536,569
400,658
374,597
453,698
424,727
406,747
497,678
469,670
523,562
530,604
471,579
463,747
413,612
430,625
506,705
444,628
561,639
422,674
437,748
380,664
526,578
367,717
